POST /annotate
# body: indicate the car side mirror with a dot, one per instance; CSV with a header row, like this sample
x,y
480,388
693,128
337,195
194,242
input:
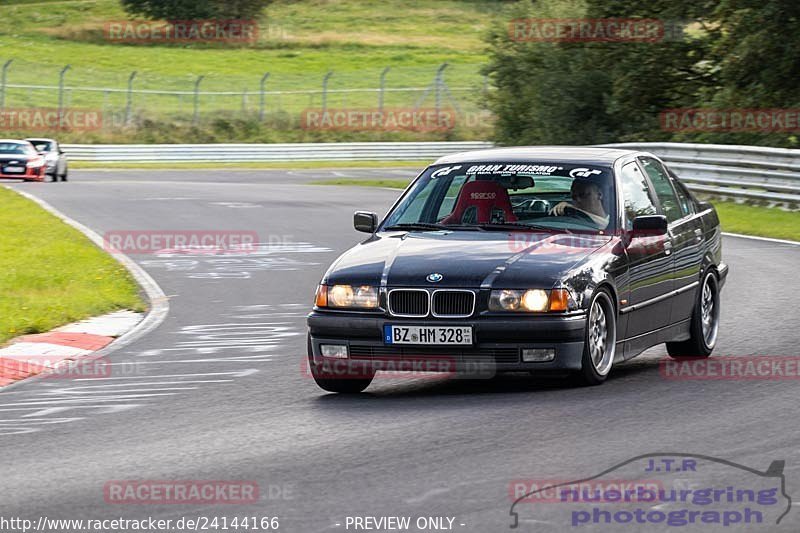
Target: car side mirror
x,y
365,221
704,206
650,225
60,151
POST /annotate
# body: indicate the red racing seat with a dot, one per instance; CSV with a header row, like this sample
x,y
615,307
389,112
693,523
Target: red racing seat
x,y
481,202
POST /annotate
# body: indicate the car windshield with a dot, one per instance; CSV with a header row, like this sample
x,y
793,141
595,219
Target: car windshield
x,y
42,146
14,148
536,195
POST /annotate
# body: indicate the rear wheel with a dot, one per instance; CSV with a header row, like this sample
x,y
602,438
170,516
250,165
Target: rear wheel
x,y
600,339
704,323
64,175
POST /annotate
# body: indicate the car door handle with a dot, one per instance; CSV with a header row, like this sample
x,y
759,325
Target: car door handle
x,y
699,234
667,247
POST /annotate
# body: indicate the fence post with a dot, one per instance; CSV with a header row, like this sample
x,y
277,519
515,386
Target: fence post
x,y
438,88
129,101
383,88
196,112
3,83
61,95
261,97
325,91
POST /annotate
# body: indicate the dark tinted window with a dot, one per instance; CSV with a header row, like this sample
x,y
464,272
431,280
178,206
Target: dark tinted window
x,y
635,194
42,146
663,188
686,205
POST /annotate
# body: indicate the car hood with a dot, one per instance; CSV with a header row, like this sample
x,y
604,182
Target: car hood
x,y
464,259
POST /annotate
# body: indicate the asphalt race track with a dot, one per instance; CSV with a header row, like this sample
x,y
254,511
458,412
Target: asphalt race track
x,y
218,391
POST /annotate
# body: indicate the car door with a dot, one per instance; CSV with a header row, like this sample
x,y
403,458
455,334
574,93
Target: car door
x,y
685,236
650,261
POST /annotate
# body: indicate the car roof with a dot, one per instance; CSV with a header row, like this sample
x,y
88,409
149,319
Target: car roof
x,y
40,139
13,141
576,154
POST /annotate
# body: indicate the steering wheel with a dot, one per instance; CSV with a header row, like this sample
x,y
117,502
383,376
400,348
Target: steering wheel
x,y
573,212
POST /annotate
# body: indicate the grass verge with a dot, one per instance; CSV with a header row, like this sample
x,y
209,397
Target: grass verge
x,y
389,183
51,274
759,221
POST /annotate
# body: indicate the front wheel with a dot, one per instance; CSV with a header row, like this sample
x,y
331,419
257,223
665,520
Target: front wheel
x,y
600,339
336,382
339,376
64,175
704,323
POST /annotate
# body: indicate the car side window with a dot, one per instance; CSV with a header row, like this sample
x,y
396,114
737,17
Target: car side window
x,y
635,194
687,208
662,184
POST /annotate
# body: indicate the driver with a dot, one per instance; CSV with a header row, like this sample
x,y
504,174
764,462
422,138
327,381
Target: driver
x,y
588,199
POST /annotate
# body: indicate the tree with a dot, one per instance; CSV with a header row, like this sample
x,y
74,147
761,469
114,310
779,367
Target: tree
x,y
593,92
195,9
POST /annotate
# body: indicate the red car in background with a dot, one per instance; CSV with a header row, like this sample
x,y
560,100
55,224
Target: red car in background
x,y
20,160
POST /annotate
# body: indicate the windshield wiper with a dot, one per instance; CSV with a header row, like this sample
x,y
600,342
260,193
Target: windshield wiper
x,y
506,226
419,226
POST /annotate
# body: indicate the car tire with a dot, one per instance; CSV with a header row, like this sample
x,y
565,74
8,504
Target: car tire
x,y
704,327
333,382
53,177
64,175
600,339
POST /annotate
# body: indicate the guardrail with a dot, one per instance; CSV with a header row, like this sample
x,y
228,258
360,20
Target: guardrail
x,y
755,172
238,153
761,173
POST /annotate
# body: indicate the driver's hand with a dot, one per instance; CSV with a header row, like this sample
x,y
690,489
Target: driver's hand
x,y
559,208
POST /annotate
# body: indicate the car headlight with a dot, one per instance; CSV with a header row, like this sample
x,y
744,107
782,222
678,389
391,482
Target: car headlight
x,y
347,296
530,300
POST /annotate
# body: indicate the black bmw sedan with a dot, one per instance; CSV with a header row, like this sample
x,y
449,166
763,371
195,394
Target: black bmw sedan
x,y
523,259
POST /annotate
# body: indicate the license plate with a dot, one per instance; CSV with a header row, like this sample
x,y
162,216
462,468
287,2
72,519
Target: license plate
x,y
428,335
13,170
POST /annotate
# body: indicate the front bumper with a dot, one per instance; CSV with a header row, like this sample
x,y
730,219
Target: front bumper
x,y
29,174
498,341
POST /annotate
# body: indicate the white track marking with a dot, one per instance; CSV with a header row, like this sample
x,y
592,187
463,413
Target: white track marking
x,y
756,238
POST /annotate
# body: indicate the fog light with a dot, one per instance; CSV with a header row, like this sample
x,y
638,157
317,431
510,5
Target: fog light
x,y
338,351
538,355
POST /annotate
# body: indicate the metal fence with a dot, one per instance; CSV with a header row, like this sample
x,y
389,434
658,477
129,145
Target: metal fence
x,y
754,172
124,98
